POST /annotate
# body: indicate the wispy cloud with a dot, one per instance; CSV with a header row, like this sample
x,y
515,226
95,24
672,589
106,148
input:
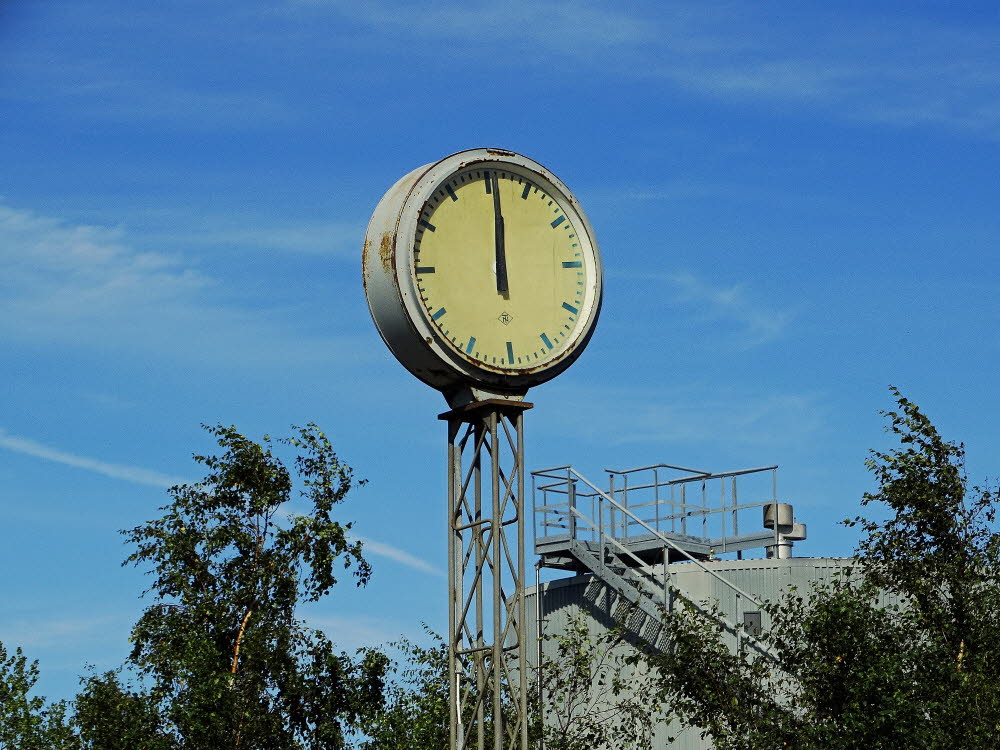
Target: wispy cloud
x,y
355,631
866,64
759,325
566,27
861,67
375,547
91,286
400,556
109,88
58,631
863,63
337,239
750,323
689,417
135,474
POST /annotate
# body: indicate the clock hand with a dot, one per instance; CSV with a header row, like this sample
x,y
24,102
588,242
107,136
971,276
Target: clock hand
x,y
498,234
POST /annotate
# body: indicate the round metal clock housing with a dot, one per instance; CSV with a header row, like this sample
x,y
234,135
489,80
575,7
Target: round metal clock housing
x,y
481,271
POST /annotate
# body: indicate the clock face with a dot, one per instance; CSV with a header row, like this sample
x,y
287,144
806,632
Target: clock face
x,y
504,267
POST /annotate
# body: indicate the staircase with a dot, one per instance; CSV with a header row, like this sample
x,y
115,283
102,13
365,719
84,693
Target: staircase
x,y
630,535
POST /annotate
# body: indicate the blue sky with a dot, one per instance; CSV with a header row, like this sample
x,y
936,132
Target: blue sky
x,y
796,206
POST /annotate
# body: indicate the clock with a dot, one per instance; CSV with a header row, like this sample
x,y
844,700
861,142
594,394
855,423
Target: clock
x,y
482,274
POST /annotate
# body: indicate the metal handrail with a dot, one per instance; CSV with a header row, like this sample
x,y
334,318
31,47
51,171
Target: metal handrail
x,y
615,528
625,511
650,573
658,466
696,474
658,511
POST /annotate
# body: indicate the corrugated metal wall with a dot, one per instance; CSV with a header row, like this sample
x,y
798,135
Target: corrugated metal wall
x,y
587,597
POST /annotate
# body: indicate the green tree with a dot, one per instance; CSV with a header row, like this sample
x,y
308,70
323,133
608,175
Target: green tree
x,y
586,695
110,715
415,714
591,693
220,659
902,651
28,722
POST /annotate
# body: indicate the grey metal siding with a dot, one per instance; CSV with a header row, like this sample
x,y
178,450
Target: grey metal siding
x,y
587,596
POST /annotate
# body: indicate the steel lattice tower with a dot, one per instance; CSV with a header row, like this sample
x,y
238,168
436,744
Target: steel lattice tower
x,y
487,658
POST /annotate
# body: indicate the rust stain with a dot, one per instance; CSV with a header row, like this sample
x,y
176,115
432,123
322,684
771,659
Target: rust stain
x,y
364,264
385,252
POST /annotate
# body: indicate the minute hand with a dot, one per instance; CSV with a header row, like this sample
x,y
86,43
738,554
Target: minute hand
x,y
498,233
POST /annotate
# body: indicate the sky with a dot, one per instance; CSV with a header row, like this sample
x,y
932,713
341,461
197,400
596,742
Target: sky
x,y
796,206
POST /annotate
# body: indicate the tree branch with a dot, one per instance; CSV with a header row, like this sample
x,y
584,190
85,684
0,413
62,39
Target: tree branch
x,y
239,637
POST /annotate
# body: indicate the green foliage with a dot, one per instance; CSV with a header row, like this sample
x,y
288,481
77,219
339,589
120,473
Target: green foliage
x,y
221,660
27,722
902,651
415,715
113,716
592,694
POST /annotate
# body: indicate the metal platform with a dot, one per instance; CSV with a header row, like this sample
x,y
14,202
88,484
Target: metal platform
x,y
555,551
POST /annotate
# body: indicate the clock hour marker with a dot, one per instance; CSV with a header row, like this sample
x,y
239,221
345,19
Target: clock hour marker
x,y
545,340
427,225
471,345
486,175
510,353
438,314
424,269
527,189
568,306
451,193
558,221
572,264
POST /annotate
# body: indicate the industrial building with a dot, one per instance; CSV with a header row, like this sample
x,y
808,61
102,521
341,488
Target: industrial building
x,y
723,538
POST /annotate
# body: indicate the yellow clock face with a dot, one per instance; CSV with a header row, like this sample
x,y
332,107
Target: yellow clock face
x,y
501,268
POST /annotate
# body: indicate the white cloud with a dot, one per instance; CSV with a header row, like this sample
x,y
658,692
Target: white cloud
x,y
56,632
867,68
355,631
865,65
374,547
337,239
561,26
750,324
64,277
400,556
691,417
108,89
124,472
91,286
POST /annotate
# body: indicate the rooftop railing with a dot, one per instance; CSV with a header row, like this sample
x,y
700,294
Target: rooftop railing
x,y
682,504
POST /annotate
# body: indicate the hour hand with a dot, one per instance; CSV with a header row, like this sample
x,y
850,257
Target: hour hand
x,y
498,234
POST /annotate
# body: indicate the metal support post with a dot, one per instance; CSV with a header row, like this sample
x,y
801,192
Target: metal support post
x,y
487,653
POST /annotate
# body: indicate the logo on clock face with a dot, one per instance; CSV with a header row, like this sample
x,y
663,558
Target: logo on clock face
x,y
505,318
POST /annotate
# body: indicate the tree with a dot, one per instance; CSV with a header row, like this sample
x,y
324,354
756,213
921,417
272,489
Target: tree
x,y
220,659
592,694
902,651
415,715
110,715
28,722
586,695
